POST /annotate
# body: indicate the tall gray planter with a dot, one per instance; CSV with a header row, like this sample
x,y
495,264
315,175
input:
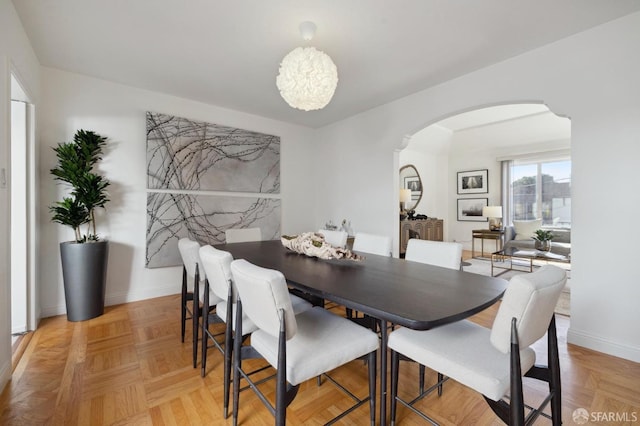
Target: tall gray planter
x,y
84,270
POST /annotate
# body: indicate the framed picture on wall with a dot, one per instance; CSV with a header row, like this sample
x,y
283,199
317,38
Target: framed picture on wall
x,y
473,182
470,209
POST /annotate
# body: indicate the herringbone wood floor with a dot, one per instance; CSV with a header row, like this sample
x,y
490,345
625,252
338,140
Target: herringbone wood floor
x,y
129,367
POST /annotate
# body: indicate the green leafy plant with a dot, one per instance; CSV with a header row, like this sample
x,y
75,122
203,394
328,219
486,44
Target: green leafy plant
x,y
543,235
76,161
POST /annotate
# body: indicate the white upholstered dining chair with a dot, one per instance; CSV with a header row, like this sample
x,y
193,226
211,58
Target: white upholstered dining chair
x,y
192,289
219,287
335,238
438,253
373,244
493,361
299,347
242,235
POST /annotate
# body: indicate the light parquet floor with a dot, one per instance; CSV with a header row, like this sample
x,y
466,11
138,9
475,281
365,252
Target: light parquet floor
x,y
128,367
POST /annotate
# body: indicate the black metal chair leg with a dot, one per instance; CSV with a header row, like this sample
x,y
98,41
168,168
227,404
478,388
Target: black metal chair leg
x,y
228,359
237,361
372,386
395,366
554,367
440,379
421,378
183,307
516,417
205,329
196,316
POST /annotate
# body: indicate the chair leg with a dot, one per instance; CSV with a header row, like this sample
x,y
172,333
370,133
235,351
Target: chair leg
x,y
237,361
196,317
516,405
395,366
554,367
372,387
440,380
205,329
421,378
228,359
183,306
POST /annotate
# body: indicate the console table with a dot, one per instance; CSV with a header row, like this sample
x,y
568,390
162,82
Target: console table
x,y
425,229
486,234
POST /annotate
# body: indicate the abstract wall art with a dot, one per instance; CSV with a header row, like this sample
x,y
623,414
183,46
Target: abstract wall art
x,y
203,218
193,155
205,178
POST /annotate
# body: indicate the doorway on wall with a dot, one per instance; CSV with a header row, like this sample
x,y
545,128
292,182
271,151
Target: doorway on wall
x,y
486,142
22,214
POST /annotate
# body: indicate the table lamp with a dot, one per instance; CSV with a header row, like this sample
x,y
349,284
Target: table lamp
x,y
405,197
494,213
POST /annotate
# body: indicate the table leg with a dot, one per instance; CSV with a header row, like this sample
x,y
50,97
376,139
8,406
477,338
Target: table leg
x,y
473,246
383,372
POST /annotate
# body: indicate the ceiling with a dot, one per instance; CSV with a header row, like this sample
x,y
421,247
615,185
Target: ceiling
x,y
227,53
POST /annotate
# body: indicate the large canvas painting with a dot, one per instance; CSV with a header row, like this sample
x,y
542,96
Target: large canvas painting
x,y
190,155
203,218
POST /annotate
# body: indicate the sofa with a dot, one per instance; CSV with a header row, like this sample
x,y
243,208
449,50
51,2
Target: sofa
x,y
520,235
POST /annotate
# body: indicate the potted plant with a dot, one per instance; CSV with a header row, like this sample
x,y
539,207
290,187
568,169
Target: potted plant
x,y
543,239
84,260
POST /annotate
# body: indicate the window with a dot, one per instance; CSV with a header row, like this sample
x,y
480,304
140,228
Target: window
x,y
540,189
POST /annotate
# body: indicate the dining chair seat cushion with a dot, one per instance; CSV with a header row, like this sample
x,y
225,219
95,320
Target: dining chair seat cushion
x,y
248,326
462,351
299,305
324,341
213,299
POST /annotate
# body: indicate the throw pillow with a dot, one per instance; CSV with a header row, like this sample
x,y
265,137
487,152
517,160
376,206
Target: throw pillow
x,y
525,228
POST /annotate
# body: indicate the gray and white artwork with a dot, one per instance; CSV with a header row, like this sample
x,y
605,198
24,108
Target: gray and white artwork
x,y
191,155
203,218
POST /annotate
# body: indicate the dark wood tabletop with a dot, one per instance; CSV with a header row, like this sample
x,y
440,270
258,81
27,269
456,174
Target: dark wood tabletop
x,y
410,294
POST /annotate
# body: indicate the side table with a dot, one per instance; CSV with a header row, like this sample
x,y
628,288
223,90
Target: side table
x,y
486,234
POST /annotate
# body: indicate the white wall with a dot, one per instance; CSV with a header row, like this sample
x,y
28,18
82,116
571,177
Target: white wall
x,y
591,78
428,151
71,102
17,56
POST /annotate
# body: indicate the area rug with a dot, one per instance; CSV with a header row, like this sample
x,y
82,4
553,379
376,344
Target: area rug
x,y
483,267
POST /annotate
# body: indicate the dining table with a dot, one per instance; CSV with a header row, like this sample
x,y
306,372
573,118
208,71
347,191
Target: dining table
x,y
390,290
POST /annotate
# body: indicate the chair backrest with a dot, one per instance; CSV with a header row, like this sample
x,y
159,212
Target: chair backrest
x,y
374,244
264,293
531,299
189,253
242,235
438,253
335,238
217,267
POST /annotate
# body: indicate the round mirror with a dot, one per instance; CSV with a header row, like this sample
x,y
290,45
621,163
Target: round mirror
x,y
410,179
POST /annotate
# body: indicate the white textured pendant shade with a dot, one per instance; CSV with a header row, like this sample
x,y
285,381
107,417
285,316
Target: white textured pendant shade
x,y
307,78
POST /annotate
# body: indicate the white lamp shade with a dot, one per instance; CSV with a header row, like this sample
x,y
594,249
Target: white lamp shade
x,y
307,79
492,211
405,195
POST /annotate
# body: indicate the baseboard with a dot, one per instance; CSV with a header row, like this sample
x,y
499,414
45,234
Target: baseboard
x,y
118,298
599,344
